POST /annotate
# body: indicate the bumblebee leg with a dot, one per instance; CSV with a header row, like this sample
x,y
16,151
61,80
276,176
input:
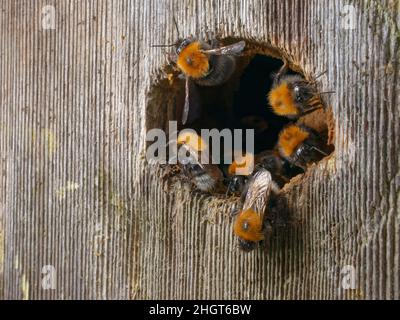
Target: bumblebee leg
x,y
304,160
268,228
171,59
283,70
320,75
319,150
312,109
294,160
281,212
228,189
268,232
214,43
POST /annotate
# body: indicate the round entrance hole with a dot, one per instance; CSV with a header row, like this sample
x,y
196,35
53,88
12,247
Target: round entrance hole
x,y
240,103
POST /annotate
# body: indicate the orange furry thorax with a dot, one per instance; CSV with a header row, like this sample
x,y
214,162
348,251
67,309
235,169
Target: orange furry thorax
x,y
193,62
254,226
281,100
290,138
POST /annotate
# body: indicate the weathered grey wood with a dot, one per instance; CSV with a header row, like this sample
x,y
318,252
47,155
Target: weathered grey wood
x,y
77,194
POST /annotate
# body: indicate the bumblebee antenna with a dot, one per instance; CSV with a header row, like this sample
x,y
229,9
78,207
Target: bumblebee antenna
x,y
228,188
319,150
161,45
327,92
176,26
320,75
316,149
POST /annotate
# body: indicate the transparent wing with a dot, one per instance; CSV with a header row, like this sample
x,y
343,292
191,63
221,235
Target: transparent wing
x,y
259,192
232,49
186,107
191,109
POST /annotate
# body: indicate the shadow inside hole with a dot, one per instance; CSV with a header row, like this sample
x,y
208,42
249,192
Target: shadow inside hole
x,y
251,107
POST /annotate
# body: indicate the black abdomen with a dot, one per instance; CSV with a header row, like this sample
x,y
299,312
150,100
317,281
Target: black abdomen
x,y
222,67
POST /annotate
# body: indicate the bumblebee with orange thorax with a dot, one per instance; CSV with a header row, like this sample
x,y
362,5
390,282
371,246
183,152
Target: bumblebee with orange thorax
x,y
205,177
300,145
204,65
271,160
292,96
252,222
238,173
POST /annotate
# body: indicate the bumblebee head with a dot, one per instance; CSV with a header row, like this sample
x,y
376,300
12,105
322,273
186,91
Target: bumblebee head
x,y
237,184
182,44
271,161
245,245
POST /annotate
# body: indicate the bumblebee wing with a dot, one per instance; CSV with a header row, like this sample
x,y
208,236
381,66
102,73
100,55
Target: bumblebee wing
x,y
191,109
259,192
232,49
244,193
186,107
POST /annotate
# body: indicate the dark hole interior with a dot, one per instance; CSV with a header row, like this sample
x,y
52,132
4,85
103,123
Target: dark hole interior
x,y
241,103
250,101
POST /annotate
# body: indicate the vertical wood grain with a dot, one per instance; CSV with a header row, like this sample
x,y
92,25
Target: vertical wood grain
x,y
76,193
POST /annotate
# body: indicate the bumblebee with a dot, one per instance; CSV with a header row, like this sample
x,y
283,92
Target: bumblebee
x,y
292,96
207,65
300,145
271,160
252,222
204,65
205,177
239,171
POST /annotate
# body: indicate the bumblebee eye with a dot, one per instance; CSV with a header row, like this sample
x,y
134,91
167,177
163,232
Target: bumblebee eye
x,y
301,151
297,92
183,45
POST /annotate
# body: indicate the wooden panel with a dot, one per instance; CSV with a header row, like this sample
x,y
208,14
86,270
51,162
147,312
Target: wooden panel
x,y
77,194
